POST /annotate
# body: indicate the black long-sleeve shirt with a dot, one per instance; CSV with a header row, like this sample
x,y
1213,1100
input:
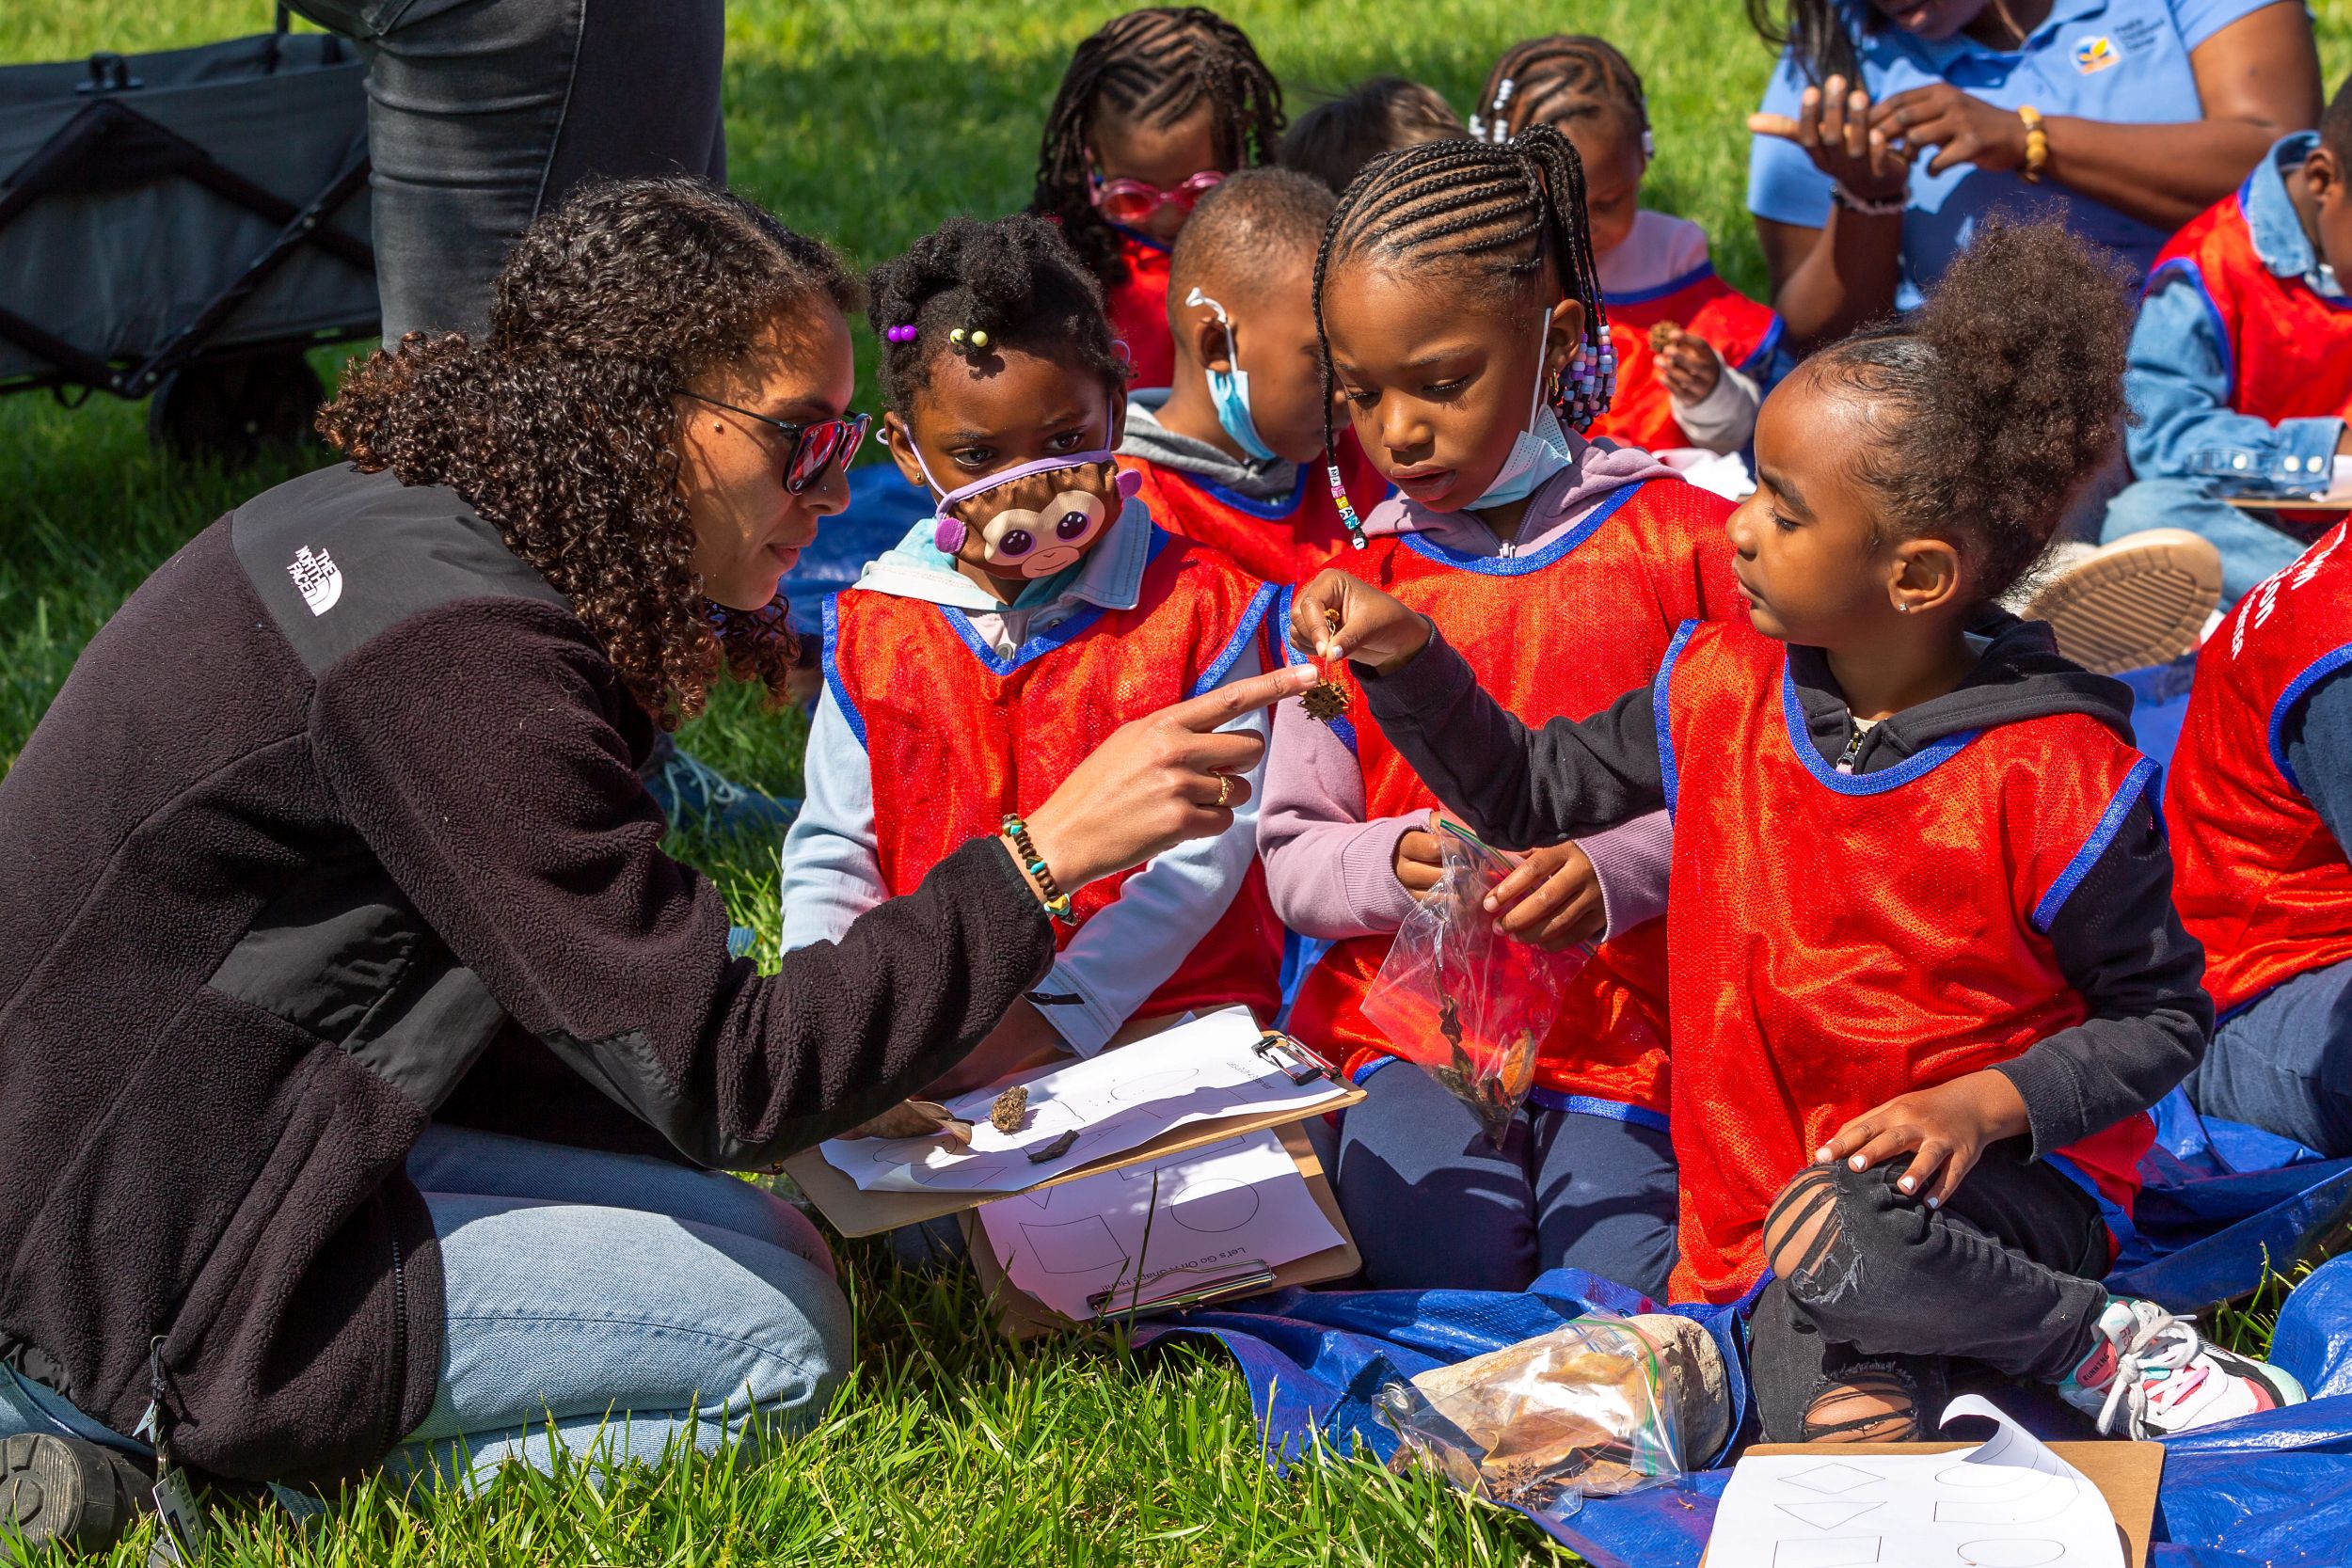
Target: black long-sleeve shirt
x,y
342,796
2118,940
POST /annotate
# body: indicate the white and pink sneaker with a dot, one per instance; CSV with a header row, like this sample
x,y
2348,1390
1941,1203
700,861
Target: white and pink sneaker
x,y
2157,1373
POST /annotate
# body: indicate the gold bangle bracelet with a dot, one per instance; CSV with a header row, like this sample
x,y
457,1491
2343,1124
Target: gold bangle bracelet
x,y
2036,143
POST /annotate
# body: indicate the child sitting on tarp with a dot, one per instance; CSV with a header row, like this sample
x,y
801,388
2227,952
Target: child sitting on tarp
x,y
1334,141
1695,355
1926,976
2241,373
1231,456
1156,107
1005,638
2261,803
1464,325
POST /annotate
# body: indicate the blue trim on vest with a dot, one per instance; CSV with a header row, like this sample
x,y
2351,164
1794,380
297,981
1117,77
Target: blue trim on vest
x,y
2188,270
1699,274
2300,688
1265,510
1920,763
1661,693
1550,1100
831,612
1138,236
1760,358
1520,566
1044,641
1253,619
1346,732
2118,1223
1591,1105
2101,835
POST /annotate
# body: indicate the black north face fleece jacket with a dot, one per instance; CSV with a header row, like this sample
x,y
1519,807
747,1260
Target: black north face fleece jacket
x,y
344,798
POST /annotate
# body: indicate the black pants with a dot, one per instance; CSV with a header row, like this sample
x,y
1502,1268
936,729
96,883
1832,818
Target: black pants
x,y
2006,1274
483,114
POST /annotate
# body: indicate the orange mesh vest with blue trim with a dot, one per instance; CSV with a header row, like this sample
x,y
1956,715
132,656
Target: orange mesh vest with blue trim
x,y
1641,412
1137,308
1560,632
956,736
2260,879
1841,940
1287,540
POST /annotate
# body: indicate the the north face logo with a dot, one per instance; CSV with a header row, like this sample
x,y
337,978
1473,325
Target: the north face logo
x,y
319,579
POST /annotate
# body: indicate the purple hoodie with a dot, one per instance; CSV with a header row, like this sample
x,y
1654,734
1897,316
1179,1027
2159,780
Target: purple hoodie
x,y
1331,873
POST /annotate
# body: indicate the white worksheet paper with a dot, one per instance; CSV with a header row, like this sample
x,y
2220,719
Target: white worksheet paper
x,y
1197,1072
1219,1210
2008,1503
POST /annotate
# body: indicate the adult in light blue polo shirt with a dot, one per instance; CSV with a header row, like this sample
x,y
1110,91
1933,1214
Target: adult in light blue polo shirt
x,y
1892,128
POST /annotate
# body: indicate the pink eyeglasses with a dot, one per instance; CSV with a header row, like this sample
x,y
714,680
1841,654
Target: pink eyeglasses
x,y
1130,202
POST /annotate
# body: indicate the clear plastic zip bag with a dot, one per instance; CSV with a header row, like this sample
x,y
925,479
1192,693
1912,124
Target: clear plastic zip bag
x,y
1600,1406
1466,1002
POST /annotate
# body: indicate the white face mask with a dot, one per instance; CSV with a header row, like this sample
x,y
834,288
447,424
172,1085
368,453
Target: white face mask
x,y
1539,450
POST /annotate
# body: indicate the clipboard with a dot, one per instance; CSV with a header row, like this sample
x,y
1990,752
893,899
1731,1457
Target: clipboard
x,y
856,1212
2125,1473
1022,1317
2289,504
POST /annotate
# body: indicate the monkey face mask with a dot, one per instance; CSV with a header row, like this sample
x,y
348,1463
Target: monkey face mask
x,y
1036,518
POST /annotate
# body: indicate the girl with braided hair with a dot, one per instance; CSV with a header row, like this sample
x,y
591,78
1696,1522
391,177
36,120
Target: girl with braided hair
x,y
1156,107
1037,609
1458,309
1695,355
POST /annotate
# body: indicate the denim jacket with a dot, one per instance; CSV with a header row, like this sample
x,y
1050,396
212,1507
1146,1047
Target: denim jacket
x,y
2178,381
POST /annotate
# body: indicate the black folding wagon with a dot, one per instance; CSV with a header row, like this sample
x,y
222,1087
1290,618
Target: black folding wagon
x,y
183,227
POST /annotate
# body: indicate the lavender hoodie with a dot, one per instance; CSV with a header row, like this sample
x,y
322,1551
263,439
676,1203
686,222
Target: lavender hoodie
x,y
1331,873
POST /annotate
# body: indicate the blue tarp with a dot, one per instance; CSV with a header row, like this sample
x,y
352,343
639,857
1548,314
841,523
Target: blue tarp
x,y
2221,1202
881,508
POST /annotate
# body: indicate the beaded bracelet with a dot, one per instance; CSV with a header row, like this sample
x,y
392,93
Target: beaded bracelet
x,y
1056,902
2036,143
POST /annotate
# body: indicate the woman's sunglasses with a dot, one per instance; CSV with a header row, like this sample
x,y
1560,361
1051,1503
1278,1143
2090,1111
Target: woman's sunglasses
x,y
815,445
1134,201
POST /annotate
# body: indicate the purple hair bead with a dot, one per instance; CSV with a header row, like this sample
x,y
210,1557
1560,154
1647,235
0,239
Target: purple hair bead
x,y
901,333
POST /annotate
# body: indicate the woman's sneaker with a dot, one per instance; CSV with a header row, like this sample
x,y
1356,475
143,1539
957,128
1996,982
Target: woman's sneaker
x,y
2150,1374
2145,600
63,1491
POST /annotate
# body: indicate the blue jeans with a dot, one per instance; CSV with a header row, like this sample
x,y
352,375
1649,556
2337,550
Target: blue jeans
x,y
593,1299
2284,1062
1432,1203
2251,548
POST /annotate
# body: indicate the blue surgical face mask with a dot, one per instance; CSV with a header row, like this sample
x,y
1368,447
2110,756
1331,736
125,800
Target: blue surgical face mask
x,y
1230,389
1538,452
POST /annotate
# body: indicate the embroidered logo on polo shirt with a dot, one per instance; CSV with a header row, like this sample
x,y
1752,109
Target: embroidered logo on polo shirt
x,y
320,580
2093,54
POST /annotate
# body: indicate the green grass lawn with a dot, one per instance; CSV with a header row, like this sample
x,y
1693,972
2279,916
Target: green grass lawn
x,y
866,123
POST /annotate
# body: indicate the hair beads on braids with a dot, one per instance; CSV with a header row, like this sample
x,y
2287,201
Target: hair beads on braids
x,y
1150,68
1014,279
1544,81
1501,208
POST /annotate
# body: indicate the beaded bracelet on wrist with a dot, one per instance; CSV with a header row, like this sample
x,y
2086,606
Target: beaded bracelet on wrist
x,y
1869,207
1056,902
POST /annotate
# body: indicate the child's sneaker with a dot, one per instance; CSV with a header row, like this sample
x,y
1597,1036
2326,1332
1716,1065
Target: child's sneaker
x,y
2145,600
2158,1373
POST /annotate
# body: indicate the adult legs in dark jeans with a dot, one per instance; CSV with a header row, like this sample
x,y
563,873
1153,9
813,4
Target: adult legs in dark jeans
x,y
1876,1294
1432,1203
483,114
2284,1062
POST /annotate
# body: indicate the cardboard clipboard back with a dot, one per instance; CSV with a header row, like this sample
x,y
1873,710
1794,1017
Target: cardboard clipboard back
x,y
854,1212
2125,1473
1022,1317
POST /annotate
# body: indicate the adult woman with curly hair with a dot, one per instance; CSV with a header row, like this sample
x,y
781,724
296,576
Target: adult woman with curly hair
x,y
359,1049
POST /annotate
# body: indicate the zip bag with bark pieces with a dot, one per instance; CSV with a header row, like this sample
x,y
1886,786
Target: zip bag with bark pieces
x,y
1599,1406
1468,1004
